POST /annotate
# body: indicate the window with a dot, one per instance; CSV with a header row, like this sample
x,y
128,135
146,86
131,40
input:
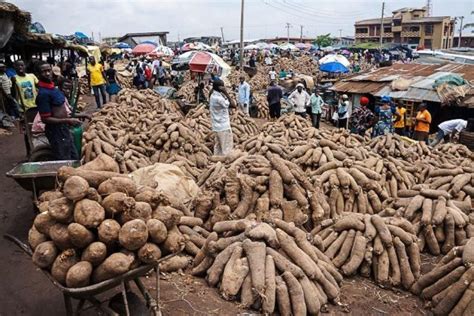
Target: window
x,y
362,30
427,43
416,16
411,29
387,30
397,22
429,29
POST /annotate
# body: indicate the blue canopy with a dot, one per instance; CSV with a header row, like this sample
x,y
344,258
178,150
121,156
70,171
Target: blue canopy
x,y
333,67
149,42
80,35
121,45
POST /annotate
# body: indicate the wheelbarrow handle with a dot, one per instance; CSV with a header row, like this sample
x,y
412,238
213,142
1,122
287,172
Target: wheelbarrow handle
x,y
19,243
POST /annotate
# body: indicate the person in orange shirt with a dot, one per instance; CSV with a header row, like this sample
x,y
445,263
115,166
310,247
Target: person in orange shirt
x,y
422,123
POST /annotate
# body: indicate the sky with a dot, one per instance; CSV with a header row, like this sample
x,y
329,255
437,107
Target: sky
x,y
186,18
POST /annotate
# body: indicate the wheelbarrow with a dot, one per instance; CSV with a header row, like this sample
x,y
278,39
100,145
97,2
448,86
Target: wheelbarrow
x,y
38,176
89,293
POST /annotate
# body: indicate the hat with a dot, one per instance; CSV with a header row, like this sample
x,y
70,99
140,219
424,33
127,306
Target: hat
x,y
300,85
56,71
386,99
364,101
344,96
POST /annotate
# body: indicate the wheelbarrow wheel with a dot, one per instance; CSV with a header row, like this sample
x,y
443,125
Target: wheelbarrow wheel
x,y
44,154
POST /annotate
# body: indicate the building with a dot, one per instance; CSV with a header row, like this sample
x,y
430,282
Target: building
x,y
292,40
133,39
110,40
418,81
235,44
409,26
344,41
208,40
467,40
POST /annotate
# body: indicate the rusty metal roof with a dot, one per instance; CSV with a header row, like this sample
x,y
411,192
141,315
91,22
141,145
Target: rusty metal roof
x,y
378,82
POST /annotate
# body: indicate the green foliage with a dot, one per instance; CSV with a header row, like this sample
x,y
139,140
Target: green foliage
x,y
323,40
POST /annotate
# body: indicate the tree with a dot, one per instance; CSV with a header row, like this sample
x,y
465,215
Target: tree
x,y
469,25
323,40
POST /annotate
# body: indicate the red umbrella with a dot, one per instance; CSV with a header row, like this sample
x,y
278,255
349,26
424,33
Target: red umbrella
x,y
142,49
200,61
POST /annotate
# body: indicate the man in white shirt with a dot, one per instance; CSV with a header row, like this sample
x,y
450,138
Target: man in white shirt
x,y
447,129
244,95
300,100
272,74
219,103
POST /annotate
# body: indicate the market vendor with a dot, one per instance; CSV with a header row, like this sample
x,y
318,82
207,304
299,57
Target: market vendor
x,y
422,123
362,118
448,129
300,100
96,74
219,103
282,74
53,113
244,95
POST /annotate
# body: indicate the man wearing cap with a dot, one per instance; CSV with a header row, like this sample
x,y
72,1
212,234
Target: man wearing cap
x,y
448,129
244,95
362,118
422,123
300,99
219,103
343,111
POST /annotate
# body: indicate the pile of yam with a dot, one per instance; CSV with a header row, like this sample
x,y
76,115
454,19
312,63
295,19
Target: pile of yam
x,y
270,267
100,224
138,132
449,286
383,248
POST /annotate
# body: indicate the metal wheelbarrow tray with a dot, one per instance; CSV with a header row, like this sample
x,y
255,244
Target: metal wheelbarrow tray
x,y
37,176
88,293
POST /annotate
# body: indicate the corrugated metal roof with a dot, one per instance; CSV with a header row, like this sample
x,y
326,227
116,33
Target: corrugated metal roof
x,y
357,87
410,94
422,76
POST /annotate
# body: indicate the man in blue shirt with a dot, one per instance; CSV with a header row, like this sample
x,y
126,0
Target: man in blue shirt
x,y
52,109
244,95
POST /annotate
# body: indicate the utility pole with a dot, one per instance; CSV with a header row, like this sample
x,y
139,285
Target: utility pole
x,y
242,34
288,25
429,7
340,34
222,34
301,33
381,26
460,30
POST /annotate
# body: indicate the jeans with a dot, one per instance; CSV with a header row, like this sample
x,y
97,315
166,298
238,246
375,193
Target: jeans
x,y
275,110
342,123
96,90
61,142
439,136
316,118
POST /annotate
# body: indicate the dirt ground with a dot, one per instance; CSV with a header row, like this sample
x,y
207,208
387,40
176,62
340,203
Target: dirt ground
x,y
27,291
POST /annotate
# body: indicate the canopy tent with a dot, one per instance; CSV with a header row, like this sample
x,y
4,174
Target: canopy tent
x,y
80,35
143,49
251,47
149,42
335,58
122,45
205,62
288,46
303,46
334,67
262,45
195,46
161,51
